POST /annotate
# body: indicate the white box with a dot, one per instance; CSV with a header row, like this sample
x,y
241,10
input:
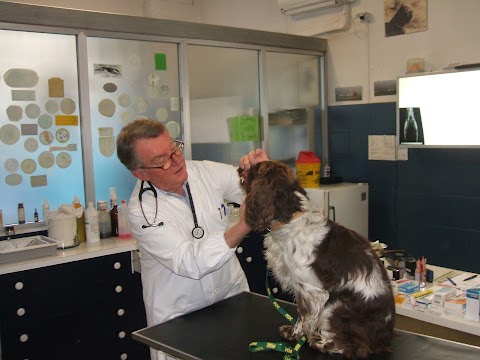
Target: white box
x,y
473,304
457,303
440,295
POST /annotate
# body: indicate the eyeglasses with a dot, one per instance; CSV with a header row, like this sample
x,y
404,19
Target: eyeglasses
x,y
176,149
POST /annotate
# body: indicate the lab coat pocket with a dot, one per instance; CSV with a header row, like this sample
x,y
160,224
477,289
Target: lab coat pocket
x,y
219,215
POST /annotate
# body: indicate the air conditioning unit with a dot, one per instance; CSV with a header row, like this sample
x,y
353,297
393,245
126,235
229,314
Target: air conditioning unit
x,y
297,7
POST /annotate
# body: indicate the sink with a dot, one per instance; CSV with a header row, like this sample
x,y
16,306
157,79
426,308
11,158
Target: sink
x,y
26,248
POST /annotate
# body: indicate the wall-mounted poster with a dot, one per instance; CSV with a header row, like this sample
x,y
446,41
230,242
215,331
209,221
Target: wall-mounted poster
x,y
350,93
405,16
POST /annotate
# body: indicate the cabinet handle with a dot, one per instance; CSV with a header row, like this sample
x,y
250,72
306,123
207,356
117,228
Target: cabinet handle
x,y
120,312
24,338
124,356
21,311
19,285
118,289
121,334
117,265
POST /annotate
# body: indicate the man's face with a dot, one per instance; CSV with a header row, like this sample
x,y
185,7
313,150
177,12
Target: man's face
x,y
163,164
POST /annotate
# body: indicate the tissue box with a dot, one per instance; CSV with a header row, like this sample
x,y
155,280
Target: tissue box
x,y
473,304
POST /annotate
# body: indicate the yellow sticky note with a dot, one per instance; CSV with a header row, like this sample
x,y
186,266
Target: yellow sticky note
x,y
65,120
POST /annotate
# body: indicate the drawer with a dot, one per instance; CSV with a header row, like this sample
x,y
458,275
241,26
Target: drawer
x,y
62,285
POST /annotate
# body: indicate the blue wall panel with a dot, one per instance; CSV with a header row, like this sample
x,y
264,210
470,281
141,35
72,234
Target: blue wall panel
x,y
428,205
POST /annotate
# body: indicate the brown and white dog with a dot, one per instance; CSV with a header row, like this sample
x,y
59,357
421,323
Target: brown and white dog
x,y
344,297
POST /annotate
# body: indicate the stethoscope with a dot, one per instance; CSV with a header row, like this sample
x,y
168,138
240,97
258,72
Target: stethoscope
x,y
197,231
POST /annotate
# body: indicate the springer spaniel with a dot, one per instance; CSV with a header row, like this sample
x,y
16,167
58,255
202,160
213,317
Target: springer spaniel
x,y
344,298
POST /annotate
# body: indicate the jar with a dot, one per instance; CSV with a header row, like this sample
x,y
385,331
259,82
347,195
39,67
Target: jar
x,y
21,213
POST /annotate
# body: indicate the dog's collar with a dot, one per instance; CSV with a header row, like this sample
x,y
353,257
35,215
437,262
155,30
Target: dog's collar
x,y
277,224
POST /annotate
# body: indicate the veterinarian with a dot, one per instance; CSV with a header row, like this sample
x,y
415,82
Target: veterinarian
x,y
176,213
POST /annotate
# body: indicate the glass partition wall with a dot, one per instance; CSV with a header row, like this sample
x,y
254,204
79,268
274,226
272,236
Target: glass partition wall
x,y
68,89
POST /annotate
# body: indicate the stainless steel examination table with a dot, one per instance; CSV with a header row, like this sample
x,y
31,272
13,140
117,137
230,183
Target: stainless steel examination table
x,y
224,330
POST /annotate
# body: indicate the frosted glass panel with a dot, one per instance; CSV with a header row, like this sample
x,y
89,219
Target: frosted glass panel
x,y
293,93
40,145
128,80
224,105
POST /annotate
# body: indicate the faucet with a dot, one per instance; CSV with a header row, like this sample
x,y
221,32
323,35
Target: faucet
x,y
10,230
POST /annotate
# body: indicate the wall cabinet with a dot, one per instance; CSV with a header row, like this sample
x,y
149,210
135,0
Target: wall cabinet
x,y
213,87
79,310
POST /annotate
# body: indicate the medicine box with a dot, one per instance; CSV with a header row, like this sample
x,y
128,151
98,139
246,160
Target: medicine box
x,y
457,303
442,294
454,313
473,303
409,287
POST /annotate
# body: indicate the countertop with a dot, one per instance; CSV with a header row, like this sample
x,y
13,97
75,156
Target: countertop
x,y
225,329
81,252
468,326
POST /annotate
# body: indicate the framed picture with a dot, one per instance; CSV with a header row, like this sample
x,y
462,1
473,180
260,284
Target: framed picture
x,y
405,16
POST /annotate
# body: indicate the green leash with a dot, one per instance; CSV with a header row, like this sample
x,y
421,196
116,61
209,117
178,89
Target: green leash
x,y
289,352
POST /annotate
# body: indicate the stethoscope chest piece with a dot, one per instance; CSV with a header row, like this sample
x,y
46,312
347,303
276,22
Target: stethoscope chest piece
x,y
198,232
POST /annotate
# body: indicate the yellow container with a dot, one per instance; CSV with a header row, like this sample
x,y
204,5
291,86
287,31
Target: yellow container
x,y
308,169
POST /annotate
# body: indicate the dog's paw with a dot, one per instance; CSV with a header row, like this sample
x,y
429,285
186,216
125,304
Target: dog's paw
x,y
316,341
286,332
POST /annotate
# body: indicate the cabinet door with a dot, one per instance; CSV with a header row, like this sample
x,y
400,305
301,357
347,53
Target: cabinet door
x,y
224,102
40,138
293,88
128,80
79,310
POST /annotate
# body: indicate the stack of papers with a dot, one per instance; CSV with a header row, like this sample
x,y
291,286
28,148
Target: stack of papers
x,y
462,281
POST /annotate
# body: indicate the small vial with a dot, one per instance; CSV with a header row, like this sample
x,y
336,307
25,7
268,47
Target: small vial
x,y
21,213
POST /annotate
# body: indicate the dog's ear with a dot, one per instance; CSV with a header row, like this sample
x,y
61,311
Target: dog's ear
x,y
259,210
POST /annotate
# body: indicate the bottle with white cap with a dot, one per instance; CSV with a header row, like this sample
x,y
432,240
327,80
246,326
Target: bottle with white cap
x,y
45,209
124,231
104,221
91,224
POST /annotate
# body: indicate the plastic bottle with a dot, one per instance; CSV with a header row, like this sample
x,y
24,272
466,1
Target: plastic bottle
x,y
124,231
104,223
81,237
91,224
114,211
45,209
21,213
418,272
2,229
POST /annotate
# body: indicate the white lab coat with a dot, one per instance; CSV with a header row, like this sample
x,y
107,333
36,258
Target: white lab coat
x,y
181,274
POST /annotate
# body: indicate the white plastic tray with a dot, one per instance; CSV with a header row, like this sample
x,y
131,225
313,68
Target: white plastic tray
x,y
26,248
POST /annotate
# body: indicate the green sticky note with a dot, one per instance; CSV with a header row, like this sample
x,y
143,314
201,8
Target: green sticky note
x,y
160,61
244,128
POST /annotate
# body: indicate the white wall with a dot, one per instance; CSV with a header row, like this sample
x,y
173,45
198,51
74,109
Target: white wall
x,y
360,56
